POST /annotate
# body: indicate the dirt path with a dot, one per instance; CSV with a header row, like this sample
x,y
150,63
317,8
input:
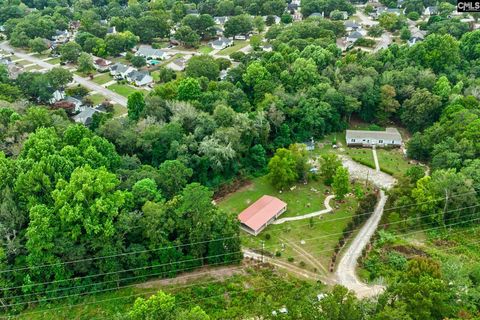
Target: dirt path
x,y
311,259
215,272
327,209
290,268
361,172
346,269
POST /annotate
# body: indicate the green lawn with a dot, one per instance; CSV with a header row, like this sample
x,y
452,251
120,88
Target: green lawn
x,y
206,49
23,62
393,161
53,61
33,68
119,110
43,55
97,98
103,78
123,89
120,59
304,199
238,44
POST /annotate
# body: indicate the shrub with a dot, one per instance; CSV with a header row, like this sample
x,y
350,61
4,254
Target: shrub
x,y
413,16
290,259
278,254
302,264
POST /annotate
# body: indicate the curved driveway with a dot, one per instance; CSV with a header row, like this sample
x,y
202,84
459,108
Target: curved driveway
x,y
346,269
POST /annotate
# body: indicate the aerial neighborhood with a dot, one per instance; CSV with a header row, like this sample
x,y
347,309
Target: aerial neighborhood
x,y
228,159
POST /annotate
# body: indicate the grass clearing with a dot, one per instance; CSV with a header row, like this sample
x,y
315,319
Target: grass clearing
x,y
124,90
102,78
119,110
33,68
97,98
53,61
205,49
302,200
238,44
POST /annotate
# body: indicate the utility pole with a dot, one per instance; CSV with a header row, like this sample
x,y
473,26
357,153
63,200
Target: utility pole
x,y
445,207
263,249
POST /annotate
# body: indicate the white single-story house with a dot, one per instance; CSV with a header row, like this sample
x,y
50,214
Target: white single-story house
x,y
112,30
57,96
177,64
86,115
352,26
76,102
120,71
139,78
220,20
354,36
150,53
365,138
267,48
101,65
261,213
430,11
61,36
221,43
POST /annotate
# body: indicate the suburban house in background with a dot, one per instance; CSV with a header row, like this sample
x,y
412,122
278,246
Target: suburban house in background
x,y
85,117
352,26
430,11
220,20
365,138
120,71
139,78
177,64
221,43
354,36
150,53
101,65
261,213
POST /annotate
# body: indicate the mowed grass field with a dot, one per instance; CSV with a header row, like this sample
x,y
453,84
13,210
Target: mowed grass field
x,y
123,89
318,236
238,44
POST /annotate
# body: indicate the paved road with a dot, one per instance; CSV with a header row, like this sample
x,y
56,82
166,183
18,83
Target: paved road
x,y
327,209
346,269
115,97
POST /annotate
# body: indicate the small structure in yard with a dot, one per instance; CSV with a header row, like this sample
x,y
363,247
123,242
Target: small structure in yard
x,y
365,138
261,213
310,145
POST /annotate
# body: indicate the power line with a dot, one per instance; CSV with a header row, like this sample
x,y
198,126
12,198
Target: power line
x,y
156,290
111,289
215,256
214,240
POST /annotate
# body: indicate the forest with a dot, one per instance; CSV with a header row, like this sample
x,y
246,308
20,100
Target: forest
x,y
131,198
